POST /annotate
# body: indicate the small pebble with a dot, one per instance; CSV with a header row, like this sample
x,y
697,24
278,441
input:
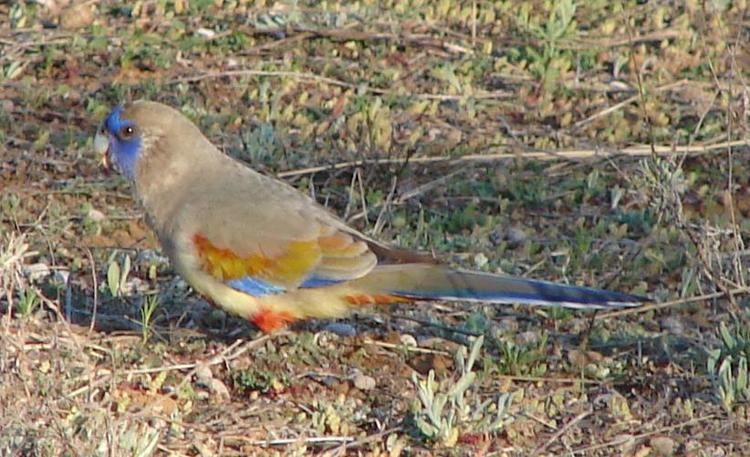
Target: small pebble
x,y
96,215
180,284
325,339
202,395
506,326
36,271
148,257
578,358
626,442
167,389
663,446
61,276
219,389
673,324
203,374
77,16
341,329
157,423
528,337
515,236
215,317
480,260
205,33
408,340
364,382
135,285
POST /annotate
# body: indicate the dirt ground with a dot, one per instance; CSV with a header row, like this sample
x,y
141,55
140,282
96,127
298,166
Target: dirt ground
x,y
594,143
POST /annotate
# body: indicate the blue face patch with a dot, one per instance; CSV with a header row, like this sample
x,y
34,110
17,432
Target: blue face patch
x,y
122,151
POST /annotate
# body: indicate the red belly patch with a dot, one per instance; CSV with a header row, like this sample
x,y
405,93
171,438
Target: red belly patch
x,y
268,320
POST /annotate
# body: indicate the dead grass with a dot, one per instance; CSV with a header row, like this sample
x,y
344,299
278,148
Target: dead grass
x,y
587,143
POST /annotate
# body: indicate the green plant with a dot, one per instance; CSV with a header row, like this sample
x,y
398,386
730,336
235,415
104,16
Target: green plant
x,y
522,359
261,145
252,379
28,302
149,306
339,416
136,440
551,61
117,276
728,364
664,180
445,409
14,250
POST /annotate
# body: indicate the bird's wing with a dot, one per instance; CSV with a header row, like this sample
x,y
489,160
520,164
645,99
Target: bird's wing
x,y
262,237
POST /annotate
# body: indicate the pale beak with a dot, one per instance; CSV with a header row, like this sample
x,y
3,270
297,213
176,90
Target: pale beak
x,y
101,147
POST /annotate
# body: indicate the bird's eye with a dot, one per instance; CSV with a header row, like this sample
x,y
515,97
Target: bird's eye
x,y
127,132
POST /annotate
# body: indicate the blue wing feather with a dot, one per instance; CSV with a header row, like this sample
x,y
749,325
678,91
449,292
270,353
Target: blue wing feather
x,y
255,287
316,281
260,288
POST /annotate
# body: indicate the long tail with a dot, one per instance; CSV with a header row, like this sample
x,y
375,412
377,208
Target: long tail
x,y
437,282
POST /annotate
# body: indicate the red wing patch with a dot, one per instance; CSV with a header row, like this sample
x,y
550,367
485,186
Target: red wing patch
x,y
268,320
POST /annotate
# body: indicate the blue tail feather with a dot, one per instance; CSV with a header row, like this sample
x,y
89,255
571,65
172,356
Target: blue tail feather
x,y
431,282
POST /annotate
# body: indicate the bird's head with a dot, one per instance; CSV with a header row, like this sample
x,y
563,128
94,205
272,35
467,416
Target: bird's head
x,y
135,131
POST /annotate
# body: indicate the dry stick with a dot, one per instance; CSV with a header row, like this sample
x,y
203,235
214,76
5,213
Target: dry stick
x,y
538,420
367,439
560,432
474,22
349,202
406,348
682,301
738,242
634,151
363,200
641,92
96,293
427,186
347,34
627,101
380,221
436,325
256,50
556,380
658,35
315,440
225,356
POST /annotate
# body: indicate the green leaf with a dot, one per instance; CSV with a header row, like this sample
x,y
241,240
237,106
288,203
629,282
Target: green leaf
x,y
113,278
126,266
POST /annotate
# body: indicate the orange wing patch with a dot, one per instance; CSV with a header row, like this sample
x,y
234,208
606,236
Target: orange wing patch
x,y
223,264
376,299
